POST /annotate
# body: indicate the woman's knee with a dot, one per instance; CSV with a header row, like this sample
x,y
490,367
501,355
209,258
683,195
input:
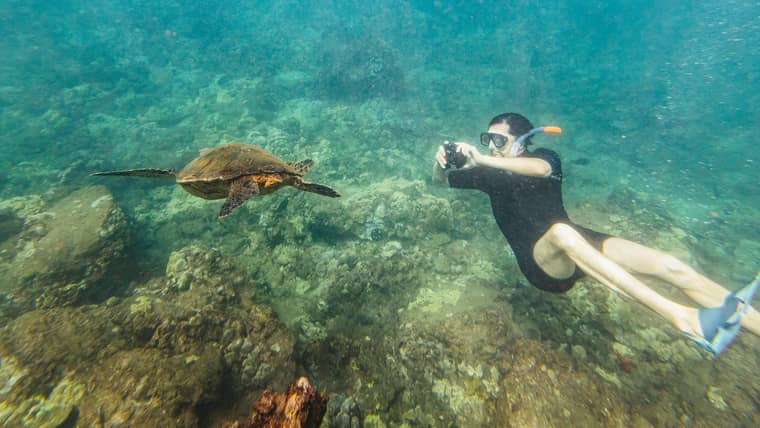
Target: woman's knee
x,y
672,267
564,236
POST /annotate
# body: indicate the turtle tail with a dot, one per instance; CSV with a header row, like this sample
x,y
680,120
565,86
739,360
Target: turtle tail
x,y
142,172
320,189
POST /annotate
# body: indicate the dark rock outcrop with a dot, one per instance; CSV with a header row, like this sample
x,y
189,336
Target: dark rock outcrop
x,y
190,339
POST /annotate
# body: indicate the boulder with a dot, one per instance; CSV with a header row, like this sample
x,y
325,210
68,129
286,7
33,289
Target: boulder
x,y
62,251
189,339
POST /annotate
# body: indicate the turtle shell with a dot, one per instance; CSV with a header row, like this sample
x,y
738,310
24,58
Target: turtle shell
x,y
230,161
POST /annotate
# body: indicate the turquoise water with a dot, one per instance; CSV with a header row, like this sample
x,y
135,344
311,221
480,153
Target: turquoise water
x,y
400,299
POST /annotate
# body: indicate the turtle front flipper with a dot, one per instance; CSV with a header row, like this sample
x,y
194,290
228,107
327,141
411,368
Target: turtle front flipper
x,y
320,189
241,190
142,172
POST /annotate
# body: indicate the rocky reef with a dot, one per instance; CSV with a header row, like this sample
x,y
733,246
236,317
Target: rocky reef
x,y
363,69
162,356
57,254
456,358
420,318
133,305
402,302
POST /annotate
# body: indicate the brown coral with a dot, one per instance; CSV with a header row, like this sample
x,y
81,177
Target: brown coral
x,y
300,406
625,361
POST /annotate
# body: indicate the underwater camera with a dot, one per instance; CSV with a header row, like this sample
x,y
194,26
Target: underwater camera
x,y
453,157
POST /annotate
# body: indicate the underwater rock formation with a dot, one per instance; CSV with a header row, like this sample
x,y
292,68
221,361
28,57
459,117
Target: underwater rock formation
x,y
364,69
10,224
401,300
469,368
343,412
62,251
391,209
179,342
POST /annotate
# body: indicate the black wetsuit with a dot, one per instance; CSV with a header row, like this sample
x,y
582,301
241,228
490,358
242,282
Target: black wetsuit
x,y
525,207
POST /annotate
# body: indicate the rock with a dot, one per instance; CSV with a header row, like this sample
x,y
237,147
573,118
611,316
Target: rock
x,y
713,395
374,421
147,387
468,367
365,69
343,412
579,352
10,224
391,209
64,250
151,359
57,409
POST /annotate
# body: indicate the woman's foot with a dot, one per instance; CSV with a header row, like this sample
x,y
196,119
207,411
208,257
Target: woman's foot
x,y
719,326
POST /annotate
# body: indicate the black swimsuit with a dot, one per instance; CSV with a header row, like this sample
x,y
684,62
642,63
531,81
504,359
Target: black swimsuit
x,y
525,208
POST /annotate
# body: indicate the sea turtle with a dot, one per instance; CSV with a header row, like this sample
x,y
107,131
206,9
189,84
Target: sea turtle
x,y
237,172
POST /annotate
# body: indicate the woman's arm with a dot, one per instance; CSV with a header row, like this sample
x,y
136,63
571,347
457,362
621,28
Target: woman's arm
x,y
440,175
532,167
524,166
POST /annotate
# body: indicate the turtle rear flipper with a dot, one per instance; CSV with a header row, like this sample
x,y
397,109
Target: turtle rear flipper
x,y
317,188
142,172
241,190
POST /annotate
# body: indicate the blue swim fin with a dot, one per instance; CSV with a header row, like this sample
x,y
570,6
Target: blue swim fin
x,y
720,324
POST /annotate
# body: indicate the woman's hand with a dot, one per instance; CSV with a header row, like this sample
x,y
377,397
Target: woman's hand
x,y
440,157
472,154
468,150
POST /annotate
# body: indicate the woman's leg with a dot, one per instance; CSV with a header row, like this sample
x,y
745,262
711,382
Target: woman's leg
x,y
639,259
562,248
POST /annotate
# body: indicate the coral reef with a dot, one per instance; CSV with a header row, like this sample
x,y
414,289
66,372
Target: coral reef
x,y
10,224
413,310
343,412
63,251
404,305
366,68
153,358
470,368
402,300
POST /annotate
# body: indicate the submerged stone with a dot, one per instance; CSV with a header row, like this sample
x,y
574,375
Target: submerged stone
x,y
152,359
64,250
10,225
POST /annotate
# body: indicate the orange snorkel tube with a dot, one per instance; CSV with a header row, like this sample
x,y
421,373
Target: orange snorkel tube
x,y
519,142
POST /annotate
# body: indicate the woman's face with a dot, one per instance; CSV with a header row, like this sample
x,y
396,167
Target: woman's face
x,y
501,129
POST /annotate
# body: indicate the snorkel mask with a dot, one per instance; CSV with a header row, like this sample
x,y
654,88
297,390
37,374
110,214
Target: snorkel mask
x,y
519,142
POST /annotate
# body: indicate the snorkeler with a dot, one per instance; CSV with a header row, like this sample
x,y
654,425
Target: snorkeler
x,y
525,188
